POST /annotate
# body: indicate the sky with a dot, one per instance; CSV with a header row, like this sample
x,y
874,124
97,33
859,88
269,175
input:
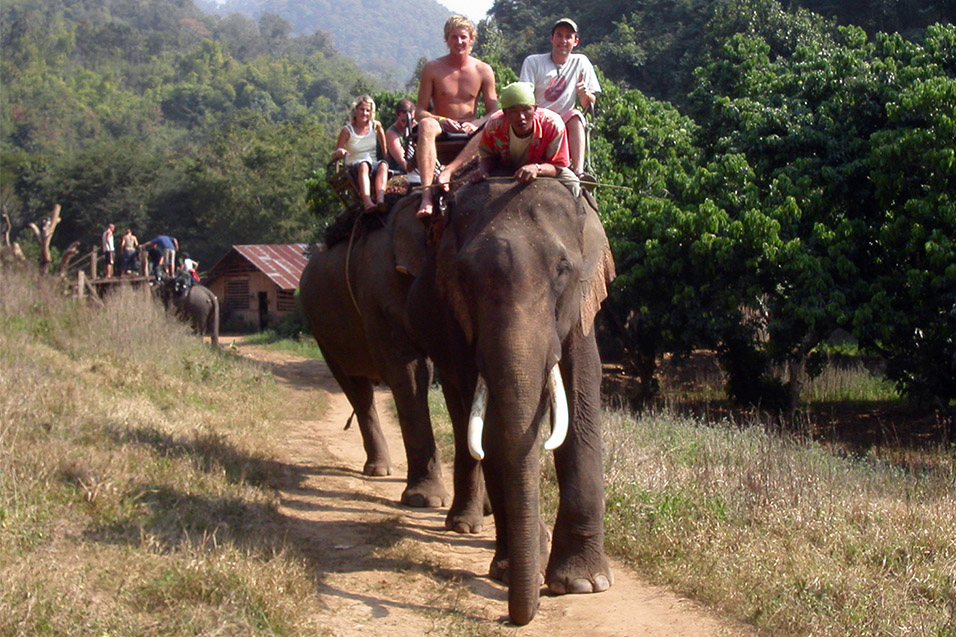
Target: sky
x,y
474,10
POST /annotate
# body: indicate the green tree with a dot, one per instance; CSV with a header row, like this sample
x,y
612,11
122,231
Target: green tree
x,y
909,309
804,101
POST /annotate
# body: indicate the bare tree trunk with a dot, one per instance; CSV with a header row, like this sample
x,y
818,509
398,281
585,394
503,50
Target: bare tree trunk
x,y
67,256
44,234
797,371
7,226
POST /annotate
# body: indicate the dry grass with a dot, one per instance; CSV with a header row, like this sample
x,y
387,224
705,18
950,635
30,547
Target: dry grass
x,y
135,477
783,533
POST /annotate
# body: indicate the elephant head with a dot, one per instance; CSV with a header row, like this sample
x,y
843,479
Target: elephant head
x,y
518,275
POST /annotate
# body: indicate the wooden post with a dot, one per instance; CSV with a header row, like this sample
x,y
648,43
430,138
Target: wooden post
x,y
93,263
80,284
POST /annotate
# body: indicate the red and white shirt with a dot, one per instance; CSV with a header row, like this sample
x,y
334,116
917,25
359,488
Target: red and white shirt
x,y
547,144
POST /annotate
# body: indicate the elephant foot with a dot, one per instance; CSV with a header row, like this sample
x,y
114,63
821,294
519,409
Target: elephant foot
x,y
583,571
377,468
464,520
428,493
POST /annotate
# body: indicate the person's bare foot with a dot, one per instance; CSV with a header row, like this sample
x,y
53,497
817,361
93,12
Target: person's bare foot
x,y
427,208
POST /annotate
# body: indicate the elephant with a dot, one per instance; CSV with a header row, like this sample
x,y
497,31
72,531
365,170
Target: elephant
x,y
502,303
504,306
195,304
353,300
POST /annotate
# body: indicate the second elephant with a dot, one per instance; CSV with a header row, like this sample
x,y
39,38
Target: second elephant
x,y
195,304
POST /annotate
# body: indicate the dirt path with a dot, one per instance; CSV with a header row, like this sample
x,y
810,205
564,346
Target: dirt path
x,y
388,569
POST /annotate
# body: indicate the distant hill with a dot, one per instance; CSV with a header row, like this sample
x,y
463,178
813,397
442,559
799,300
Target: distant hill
x,y
385,38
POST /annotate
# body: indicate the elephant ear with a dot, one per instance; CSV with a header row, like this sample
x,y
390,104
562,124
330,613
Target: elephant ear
x,y
448,283
409,237
598,269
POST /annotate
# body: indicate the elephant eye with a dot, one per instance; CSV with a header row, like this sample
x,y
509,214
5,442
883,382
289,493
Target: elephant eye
x,y
564,266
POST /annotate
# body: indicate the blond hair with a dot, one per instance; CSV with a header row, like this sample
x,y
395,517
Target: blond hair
x,y
365,98
456,21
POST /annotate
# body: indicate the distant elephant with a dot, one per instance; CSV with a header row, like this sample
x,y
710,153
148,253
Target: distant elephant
x,y
504,307
195,304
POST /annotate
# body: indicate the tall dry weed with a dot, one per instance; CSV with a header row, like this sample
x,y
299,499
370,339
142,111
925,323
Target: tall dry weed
x,y
783,532
134,467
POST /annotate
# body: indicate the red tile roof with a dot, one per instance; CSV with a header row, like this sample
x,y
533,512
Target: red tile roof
x,y
282,263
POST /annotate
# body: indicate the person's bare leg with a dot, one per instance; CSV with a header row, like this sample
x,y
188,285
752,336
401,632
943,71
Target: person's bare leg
x,y
381,177
426,156
576,143
469,152
363,186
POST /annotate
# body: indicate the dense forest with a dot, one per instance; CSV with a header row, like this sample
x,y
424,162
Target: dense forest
x,y
156,116
775,172
362,29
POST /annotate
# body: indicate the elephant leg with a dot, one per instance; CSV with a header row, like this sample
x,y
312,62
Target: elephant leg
x,y
409,384
214,323
359,391
469,504
578,563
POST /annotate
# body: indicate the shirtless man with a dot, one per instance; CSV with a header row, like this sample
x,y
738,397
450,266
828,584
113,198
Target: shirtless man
x,y
448,96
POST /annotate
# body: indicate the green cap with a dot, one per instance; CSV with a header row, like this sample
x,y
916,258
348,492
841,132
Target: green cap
x,y
516,94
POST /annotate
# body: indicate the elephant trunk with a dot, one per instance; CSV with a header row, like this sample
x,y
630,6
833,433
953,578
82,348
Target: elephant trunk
x,y
523,529
518,395
215,321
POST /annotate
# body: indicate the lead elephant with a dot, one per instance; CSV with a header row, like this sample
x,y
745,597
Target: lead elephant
x,y
195,304
505,307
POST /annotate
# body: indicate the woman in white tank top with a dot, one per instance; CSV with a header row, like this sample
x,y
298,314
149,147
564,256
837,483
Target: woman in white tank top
x,y
359,142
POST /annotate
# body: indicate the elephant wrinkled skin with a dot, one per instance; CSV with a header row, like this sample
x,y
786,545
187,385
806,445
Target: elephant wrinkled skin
x,y
508,293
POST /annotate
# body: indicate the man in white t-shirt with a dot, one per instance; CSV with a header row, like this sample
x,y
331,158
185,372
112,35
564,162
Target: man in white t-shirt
x,y
560,79
106,241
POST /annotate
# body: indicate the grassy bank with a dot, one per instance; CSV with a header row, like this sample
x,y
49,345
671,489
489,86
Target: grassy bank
x,y
783,533
135,477
779,532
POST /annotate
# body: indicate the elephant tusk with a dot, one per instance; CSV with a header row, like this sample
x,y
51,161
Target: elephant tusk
x,y
476,421
559,411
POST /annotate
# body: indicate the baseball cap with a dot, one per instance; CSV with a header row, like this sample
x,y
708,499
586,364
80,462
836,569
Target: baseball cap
x,y
568,22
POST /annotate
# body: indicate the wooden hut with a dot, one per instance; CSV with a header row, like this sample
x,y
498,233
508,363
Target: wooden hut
x,y
256,284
